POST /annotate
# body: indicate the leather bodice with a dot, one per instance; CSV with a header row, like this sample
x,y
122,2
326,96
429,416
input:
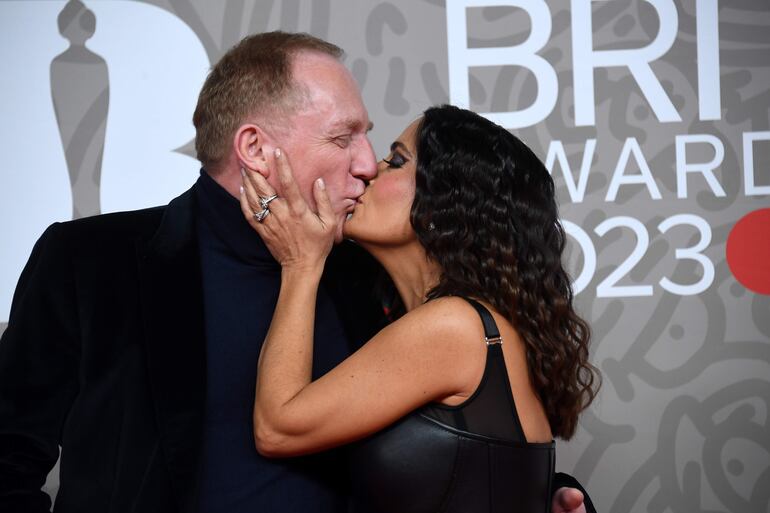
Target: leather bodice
x,y
468,458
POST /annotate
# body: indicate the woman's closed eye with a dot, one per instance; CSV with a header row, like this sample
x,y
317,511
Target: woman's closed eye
x,y
396,161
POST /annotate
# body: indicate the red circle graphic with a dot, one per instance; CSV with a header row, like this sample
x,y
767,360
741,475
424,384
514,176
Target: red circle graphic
x,y
748,251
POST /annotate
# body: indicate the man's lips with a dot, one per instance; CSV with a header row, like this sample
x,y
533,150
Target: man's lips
x,y
351,204
348,206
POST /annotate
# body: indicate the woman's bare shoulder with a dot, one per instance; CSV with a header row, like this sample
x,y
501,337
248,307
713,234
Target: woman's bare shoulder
x,y
449,319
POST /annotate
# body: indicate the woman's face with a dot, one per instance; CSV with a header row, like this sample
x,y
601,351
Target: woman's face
x,y
381,217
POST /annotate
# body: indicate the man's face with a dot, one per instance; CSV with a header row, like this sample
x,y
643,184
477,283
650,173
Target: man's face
x,y
327,137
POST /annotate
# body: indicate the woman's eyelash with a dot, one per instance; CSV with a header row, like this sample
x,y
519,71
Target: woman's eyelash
x,y
395,162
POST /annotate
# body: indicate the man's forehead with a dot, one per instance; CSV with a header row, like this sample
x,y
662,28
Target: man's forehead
x,y
315,70
332,92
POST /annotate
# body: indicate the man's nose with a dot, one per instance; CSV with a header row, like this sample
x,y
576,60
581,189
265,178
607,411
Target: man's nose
x,y
364,164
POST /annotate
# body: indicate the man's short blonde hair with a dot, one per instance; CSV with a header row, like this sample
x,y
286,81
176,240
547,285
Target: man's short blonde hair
x,y
252,79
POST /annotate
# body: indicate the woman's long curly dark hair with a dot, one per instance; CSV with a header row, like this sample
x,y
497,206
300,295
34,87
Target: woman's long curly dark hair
x,y
485,211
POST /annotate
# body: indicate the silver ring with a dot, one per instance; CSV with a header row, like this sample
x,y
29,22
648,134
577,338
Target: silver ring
x,y
264,202
260,216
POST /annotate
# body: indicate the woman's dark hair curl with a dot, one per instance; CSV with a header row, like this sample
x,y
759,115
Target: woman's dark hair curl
x,y
485,211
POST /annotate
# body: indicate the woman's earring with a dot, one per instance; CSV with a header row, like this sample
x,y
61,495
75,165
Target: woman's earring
x,y
431,226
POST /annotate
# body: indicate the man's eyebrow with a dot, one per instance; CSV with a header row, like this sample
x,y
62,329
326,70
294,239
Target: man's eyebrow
x,y
351,124
402,146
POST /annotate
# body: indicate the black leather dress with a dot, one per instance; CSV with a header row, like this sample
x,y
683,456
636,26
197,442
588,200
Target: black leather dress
x,y
469,458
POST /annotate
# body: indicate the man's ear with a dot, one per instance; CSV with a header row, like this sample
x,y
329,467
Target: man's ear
x,y
252,146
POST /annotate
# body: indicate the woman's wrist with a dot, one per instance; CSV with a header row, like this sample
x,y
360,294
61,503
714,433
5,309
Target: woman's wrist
x,y
301,273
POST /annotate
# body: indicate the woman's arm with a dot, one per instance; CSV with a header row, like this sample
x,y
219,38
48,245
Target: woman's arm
x,y
411,362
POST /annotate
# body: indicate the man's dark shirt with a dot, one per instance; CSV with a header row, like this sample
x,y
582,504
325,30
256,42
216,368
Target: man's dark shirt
x,y
241,281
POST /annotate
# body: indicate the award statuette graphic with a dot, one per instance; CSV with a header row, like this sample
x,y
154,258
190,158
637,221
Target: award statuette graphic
x,y
80,91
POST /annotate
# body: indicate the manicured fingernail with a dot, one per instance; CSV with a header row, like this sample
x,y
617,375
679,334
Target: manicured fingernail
x,y
243,173
278,153
241,190
320,183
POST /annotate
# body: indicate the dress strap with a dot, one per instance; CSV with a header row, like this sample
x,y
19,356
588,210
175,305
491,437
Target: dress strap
x,y
491,333
491,409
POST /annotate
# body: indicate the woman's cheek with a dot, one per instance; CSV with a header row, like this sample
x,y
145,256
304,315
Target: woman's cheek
x,y
392,191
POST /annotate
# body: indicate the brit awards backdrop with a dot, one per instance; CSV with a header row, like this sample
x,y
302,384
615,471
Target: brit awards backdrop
x,y
652,115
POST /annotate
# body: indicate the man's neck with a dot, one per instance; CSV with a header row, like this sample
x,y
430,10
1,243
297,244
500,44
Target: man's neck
x,y
228,178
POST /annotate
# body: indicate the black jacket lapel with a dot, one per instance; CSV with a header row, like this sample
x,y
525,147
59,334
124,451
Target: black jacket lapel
x,y
172,309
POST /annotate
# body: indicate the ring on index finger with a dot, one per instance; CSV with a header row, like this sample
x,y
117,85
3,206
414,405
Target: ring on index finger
x,y
260,216
264,202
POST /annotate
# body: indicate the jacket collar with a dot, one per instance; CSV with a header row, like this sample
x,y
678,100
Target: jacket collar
x,y
172,311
